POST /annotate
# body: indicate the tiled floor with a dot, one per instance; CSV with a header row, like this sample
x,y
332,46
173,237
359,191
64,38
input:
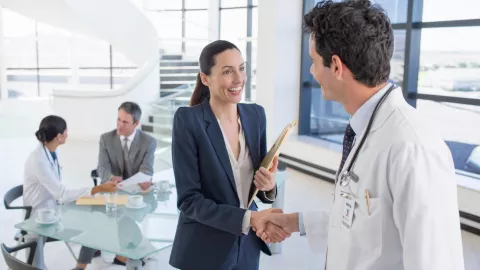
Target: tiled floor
x,y
78,158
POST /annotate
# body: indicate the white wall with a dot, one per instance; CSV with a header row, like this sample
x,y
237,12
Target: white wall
x,y
278,78
3,77
279,84
121,24
278,61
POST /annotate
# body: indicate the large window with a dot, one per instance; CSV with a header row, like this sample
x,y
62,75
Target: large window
x,y
436,60
449,67
170,37
40,58
182,25
196,32
239,25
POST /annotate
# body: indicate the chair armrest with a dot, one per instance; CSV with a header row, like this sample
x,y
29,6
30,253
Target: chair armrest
x,y
32,245
94,176
28,210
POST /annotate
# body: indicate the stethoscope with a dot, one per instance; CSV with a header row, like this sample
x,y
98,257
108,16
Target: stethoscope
x,y
349,175
52,164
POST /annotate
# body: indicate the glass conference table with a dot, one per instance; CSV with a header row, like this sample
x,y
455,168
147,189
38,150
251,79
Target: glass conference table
x,y
132,233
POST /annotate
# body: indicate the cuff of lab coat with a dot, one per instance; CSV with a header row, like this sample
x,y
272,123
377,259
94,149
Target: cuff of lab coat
x,y
316,227
246,222
301,226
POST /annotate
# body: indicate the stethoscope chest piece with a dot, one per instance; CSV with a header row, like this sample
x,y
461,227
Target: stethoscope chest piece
x,y
348,176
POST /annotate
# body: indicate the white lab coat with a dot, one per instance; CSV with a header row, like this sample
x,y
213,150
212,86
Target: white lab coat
x,y
414,221
42,184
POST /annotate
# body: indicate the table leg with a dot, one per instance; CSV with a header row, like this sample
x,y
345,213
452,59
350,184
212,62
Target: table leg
x,y
38,259
280,177
134,264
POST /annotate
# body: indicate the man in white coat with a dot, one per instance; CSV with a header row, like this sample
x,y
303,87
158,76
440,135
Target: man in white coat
x,y
398,209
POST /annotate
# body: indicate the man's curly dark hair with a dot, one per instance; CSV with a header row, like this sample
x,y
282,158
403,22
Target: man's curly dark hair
x,y
359,33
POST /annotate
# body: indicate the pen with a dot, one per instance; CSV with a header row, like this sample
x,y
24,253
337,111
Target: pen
x,y
367,198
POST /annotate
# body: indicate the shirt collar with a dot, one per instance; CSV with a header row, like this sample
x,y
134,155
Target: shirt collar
x,y
130,138
241,132
239,122
360,118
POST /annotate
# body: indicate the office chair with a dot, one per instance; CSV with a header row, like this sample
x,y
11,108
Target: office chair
x,y
16,264
94,175
13,195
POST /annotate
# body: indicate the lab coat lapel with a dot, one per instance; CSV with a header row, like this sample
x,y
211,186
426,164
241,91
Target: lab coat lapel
x,y
54,166
386,109
393,100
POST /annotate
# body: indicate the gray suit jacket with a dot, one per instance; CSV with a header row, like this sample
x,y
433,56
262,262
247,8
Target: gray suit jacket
x,y
110,157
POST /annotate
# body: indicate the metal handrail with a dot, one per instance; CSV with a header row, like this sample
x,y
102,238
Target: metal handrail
x,y
157,103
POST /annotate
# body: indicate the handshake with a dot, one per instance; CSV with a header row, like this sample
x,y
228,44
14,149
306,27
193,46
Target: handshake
x,y
272,225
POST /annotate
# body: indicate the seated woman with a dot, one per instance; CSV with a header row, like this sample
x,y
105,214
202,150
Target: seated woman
x,y
42,184
217,146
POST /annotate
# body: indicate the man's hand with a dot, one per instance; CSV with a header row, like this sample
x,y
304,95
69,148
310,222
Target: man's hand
x,y
275,234
288,223
145,185
264,179
260,221
116,179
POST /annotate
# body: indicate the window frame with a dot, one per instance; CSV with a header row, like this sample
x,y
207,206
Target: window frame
x,y
413,27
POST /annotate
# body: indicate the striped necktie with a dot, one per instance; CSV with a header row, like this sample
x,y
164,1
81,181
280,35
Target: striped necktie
x,y
127,170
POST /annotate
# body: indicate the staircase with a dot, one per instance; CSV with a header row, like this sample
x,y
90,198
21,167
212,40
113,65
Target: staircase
x,y
177,81
176,73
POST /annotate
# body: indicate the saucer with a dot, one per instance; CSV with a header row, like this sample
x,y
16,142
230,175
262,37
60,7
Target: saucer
x,y
168,191
52,221
127,205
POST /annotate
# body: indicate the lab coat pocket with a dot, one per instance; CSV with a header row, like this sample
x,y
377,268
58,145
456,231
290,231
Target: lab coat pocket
x,y
367,227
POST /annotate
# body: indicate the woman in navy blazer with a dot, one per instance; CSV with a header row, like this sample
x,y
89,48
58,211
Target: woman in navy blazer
x,y
217,146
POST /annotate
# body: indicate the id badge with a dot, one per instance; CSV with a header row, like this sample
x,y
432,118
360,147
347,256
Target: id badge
x,y
347,217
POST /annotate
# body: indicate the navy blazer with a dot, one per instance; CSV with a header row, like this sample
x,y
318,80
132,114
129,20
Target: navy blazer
x,y
210,216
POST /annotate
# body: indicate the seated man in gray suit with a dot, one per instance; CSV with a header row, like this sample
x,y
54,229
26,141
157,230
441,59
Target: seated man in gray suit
x,y
124,152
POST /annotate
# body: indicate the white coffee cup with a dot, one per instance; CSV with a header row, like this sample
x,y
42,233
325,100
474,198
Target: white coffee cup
x,y
46,214
135,200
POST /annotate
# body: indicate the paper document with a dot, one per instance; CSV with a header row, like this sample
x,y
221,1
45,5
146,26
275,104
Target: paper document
x,y
130,185
100,200
273,152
